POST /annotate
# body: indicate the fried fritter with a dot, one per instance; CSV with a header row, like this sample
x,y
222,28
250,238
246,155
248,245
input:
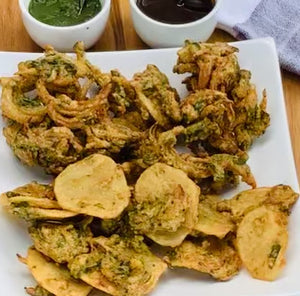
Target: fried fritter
x,y
122,97
207,103
252,119
157,96
280,197
60,242
261,242
94,186
50,147
159,147
210,220
215,112
66,95
17,106
53,277
34,202
213,256
166,213
216,75
110,136
119,266
74,114
213,65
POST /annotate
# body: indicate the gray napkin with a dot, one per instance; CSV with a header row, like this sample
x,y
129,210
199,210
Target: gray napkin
x,y
279,19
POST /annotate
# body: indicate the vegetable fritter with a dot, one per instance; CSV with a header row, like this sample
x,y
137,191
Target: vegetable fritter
x,y
119,266
213,256
223,93
53,277
168,212
157,96
60,242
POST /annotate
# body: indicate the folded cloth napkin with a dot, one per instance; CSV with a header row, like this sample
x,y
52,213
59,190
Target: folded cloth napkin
x,y
280,19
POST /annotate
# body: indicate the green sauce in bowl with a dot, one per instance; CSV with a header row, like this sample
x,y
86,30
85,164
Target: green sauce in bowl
x,y
63,12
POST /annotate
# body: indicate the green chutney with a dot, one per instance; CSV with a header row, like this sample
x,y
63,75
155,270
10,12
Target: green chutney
x,y
63,12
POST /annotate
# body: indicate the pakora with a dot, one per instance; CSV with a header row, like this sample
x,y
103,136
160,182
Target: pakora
x,y
211,255
261,242
168,212
52,277
119,266
94,186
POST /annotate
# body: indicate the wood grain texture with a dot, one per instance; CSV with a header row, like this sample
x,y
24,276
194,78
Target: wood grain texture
x,y
120,35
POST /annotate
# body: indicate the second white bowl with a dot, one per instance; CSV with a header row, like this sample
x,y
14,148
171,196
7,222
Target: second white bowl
x,y
157,34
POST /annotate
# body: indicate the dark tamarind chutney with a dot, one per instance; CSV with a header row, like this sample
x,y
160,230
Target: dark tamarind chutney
x,y
176,11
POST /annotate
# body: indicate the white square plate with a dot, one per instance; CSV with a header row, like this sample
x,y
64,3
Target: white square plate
x,y
271,161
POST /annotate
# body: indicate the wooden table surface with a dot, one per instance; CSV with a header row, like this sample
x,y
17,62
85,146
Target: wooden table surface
x,y
120,35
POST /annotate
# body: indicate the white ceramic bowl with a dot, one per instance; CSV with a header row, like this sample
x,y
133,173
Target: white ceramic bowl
x,y
64,38
157,34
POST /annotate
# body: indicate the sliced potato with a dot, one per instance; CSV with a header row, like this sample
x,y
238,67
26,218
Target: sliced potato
x,y
210,221
212,256
54,278
94,186
262,239
166,205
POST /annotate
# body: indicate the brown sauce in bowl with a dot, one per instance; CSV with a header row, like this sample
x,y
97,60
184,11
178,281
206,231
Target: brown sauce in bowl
x,y
175,11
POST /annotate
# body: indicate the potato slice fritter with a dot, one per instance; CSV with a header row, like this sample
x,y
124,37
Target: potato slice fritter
x,y
280,197
54,278
261,242
34,202
212,256
210,221
166,205
94,186
119,266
